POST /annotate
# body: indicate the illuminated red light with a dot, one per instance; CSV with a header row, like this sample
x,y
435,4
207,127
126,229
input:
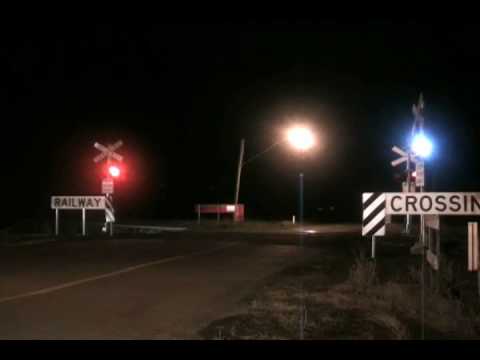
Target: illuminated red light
x,y
114,171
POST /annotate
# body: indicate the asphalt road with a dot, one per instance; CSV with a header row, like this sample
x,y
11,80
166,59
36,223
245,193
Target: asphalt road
x,y
165,287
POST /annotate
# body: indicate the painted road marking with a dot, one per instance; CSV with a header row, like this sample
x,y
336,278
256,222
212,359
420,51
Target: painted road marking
x,y
31,242
110,274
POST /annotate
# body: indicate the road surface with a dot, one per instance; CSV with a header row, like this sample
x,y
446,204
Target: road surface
x,y
166,287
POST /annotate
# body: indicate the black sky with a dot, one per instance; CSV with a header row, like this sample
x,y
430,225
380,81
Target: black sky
x,y
181,96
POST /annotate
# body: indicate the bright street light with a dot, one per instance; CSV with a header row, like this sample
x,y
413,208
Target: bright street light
x,y
422,146
301,138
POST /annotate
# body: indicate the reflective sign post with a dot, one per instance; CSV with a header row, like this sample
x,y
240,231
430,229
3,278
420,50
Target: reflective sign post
x,y
473,251
83,221
56,222
373,247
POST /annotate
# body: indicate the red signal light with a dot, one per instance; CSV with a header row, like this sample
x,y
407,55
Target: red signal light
x,y
114,171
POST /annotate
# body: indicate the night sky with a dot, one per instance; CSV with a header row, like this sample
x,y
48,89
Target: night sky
x,y
181,96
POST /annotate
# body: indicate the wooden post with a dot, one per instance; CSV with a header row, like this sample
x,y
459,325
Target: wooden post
x,y
239,170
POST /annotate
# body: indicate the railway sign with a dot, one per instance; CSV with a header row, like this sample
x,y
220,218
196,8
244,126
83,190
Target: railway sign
x,y
78,202
83,203
420,174
107,186
432,203
399,151
108,152
376,206
403,156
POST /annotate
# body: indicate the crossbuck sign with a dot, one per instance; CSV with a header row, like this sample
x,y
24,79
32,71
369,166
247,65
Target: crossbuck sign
x,y
108,152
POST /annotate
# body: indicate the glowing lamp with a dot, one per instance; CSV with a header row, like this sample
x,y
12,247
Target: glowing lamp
x,y
422,146
301,138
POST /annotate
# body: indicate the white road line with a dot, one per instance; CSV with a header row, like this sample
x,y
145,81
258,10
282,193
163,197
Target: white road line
x,y
32,242
111,274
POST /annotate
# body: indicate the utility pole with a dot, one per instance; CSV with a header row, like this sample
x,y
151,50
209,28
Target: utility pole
x,y
239,170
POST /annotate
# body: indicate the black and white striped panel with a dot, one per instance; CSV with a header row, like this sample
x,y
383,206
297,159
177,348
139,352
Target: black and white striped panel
x,y
373,223
109,212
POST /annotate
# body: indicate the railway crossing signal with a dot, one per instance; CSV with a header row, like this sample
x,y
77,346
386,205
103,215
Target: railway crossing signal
x,y
114,171
109,153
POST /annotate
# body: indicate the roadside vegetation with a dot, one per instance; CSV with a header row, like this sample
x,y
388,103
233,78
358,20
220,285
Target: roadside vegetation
x,y
350,296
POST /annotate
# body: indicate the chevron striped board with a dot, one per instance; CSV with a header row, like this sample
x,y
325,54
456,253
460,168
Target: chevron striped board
x,y
373,223
109,212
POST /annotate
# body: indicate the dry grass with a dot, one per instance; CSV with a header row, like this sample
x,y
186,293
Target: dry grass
x,y
363,275
398,329
361,307
386,303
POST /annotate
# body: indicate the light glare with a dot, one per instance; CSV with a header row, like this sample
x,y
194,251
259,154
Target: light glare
x,y
114,171
422,146
301,138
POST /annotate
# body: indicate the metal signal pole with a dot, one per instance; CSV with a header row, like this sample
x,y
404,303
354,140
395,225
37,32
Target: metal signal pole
x,y
418,124
407,223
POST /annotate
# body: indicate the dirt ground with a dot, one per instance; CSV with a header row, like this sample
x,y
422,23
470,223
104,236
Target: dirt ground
x,y
347,295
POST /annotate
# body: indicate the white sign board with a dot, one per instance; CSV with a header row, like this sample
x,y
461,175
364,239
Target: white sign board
x,y
420,171
432,203
78,202
107,186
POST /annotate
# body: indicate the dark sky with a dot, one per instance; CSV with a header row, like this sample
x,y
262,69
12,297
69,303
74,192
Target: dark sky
x,y
181,96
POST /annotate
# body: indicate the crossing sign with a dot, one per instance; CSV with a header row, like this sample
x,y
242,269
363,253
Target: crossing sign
x,y
403,156
108,152
107,186
373,222
420,174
